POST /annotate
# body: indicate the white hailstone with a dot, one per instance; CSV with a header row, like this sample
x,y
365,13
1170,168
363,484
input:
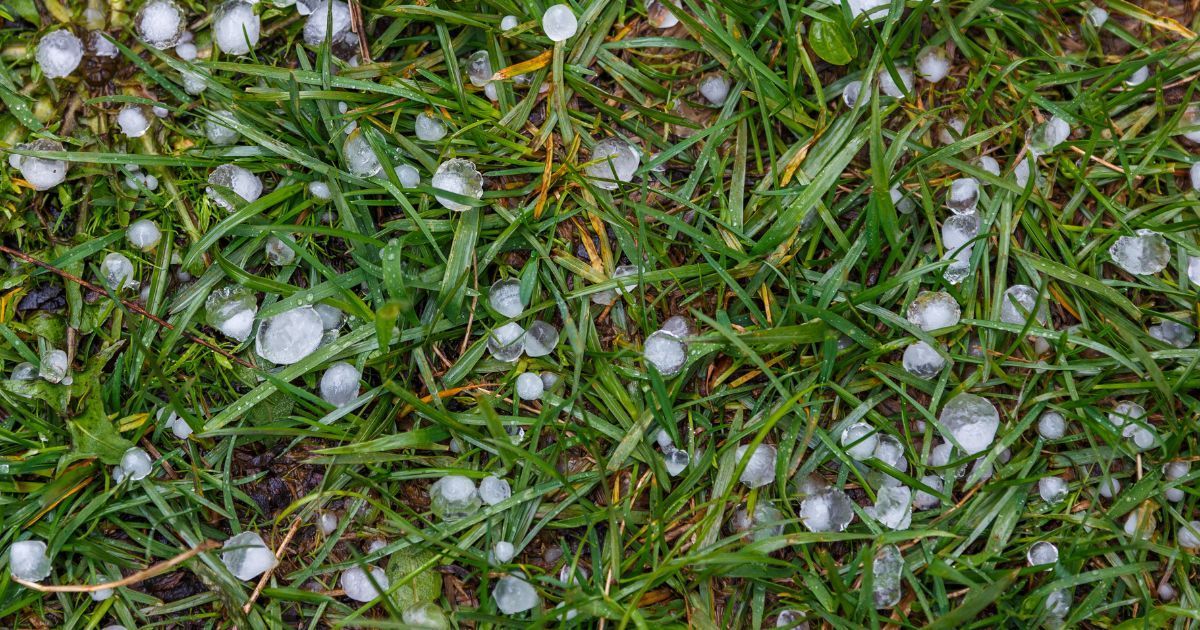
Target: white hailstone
x,y
1045,137
40,173
509,22
460,177
1097,16
1140,523
887,570
851,92
1052,425
1058,604
613,160
1173,333
1166,592
675,460
278,250
1194,175
507,342
178,426
963,195
663,439
453,497
429,128
102,594
246,556
479,68
133,121
143,234
231,310
502,552
376,545
27,560
971,421
793,619
888,85
666,352
408,176
187,51
59,53
25,371
989,165
1041,553
679,326
360,157
893,507
1109,487
715,88
362,586
1193,269
320,191
529,386
117,272
1189,536
1190,121
1143,437
922,360
218,130
1176,470
339,384
859,440
289,336
242,182
868,8
1138,77
1052,489
659,13
933,310
160,111
827,510
101,46
940,455
952,131
1145,253
505,298
328,522
933,64
903,204
559,23
332,317
318,26
765,522
1021,173
513,594
541,339
54,366
493,490
958,230
136,464
160,24
923,500
760,469
1018,303
194,83
235,27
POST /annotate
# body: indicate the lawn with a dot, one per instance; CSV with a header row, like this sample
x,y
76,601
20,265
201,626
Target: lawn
x,y
618,314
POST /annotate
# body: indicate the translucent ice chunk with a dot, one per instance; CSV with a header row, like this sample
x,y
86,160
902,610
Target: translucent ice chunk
x,y
242,182
666,352
339,384
143,234
933,310
1042,552
612,160
1145,253
40,173
886,572
493,490
27,560
289,336
117,272
760,469
559,23
453,497
218,128
235,27
529,386
541,338
971,421
429,128
933,64
715,88
922,360
1018,303
160,24
231,309
828,510
460,177
133,121
859,440
513,594
507,342
247,556
364,585
59,53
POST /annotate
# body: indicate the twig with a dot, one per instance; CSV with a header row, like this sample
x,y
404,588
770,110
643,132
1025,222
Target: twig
x,y
133,578
129,305
356,25
262,583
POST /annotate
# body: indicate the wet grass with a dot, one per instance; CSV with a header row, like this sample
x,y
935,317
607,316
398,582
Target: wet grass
x,y
765,220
